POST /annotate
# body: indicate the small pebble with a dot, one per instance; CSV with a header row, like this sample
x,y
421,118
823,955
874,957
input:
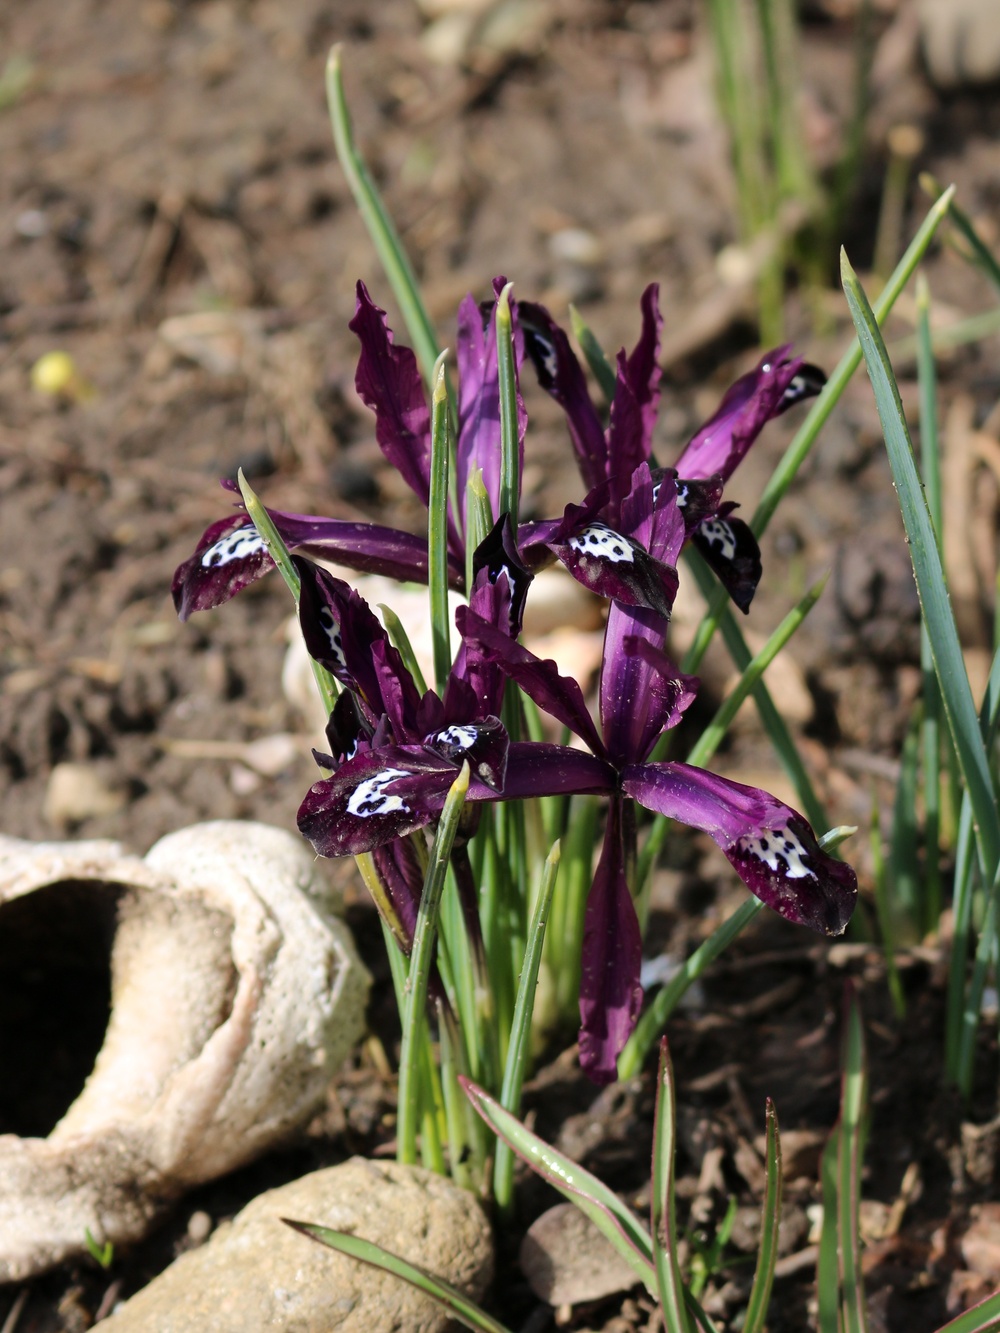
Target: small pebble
x,y
199,1227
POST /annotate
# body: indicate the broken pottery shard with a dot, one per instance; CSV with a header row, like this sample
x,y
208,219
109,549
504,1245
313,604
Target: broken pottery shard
x,y
256,1273
230,995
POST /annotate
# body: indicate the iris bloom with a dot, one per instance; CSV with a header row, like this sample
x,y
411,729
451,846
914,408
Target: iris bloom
x,y
770,845
592,538
607,458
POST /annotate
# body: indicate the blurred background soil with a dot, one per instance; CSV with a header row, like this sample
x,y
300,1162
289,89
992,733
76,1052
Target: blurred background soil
x,y
173,217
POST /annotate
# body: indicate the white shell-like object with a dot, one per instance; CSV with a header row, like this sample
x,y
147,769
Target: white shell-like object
x,y
235,994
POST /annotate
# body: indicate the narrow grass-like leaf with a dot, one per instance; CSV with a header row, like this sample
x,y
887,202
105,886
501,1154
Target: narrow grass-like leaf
x,y
931,739
770,1222
519,1049
665,1001
930,578
564,948
981,1318
380,226
590,1195
366,865
437,526
396,631
983,965
478,520
883,910
458,1306
663,1207
958,1016
415,1011
828,1266
279,553
904,871
712,736
964,1004
982,255
600,367
850,1147
450,1045
771,720
510,471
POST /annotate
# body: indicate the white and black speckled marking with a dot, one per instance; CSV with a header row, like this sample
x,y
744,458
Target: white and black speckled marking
x,y
780,850
462,738
717,532
239,545
600,540
547,354
332,631
682,495
370,797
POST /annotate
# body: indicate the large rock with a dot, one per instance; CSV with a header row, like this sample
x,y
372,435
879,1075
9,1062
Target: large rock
x,y
257,1274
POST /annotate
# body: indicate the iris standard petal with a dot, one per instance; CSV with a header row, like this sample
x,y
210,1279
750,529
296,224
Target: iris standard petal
x,y
610,993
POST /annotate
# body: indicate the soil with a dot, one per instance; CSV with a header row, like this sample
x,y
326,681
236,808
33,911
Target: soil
x,y
173,217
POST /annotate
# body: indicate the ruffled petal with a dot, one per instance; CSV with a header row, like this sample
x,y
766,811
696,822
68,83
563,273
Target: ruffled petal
x,y
388,381
560,374
636,401
559,696
478,444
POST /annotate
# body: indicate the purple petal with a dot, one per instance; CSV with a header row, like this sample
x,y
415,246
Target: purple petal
x,y
697,499
484,744
559,696
343,633
610,993
770,845
478,443
400,872
613,566
637,396
230,555
538,769
642,692
373,798
388,381
650,515
560,374
730,549
777,382
348,728
399,694
498,555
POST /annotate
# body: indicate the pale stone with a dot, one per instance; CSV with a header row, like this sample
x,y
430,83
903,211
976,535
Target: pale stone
x,y
567,1260
257,1273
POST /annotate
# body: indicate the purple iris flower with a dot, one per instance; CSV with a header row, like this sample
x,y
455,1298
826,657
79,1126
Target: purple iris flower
x,y
231,554
770,845
607,458
396,752
589,538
